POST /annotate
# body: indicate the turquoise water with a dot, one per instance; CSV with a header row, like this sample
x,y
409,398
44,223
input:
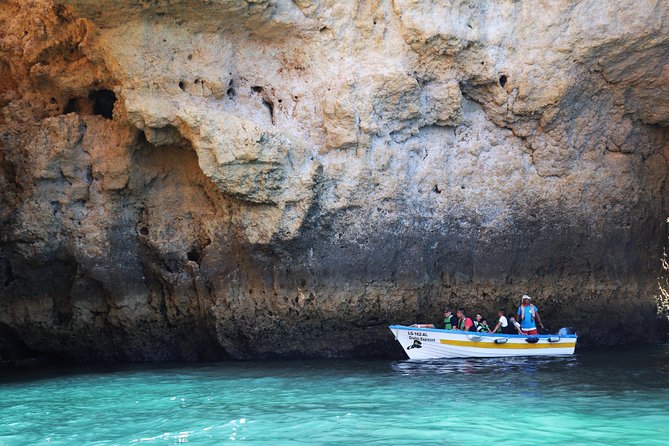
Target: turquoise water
x,y
612,396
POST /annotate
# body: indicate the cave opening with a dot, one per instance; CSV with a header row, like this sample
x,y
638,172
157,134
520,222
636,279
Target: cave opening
x,y
502,80
103,102
194,254
71,106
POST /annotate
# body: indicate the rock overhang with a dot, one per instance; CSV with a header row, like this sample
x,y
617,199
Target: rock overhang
x,y
398,156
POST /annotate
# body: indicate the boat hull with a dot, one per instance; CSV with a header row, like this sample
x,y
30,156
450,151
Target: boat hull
x,y
432,343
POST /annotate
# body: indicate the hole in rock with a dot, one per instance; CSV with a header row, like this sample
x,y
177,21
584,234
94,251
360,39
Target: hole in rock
x,y
71,106
190,57
436,189
103,103
182,85
270,107
141,138
231,88
194,254
502,80
144,231
256,89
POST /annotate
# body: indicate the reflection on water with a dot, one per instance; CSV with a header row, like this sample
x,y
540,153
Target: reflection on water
x,y
484,365
608,396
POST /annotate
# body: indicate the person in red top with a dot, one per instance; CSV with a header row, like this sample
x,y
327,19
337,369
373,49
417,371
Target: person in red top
x,y
464,323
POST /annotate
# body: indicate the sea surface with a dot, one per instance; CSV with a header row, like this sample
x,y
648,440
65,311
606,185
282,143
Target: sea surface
x,y
617,396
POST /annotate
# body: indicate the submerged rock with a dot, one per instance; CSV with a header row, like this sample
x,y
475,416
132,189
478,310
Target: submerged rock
x,y
232,178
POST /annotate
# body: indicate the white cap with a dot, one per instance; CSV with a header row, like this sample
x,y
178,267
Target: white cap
x,y
525,296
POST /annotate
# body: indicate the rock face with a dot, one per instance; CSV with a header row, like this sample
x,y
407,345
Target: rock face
x,y
273,178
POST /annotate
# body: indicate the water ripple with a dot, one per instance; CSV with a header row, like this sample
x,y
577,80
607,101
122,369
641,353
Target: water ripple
x,y
596,397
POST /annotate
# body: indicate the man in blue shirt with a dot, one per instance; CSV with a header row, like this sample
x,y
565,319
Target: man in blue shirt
x,y
528,315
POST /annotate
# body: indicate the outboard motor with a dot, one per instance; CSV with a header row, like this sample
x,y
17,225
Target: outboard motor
x,y
564,331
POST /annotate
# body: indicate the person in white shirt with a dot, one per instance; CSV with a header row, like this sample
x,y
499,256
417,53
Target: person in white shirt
x,y
503,324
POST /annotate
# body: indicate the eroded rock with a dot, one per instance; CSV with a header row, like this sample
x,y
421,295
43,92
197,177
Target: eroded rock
x,y
243,179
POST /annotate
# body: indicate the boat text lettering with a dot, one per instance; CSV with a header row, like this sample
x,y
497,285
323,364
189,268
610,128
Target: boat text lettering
x,y
420,335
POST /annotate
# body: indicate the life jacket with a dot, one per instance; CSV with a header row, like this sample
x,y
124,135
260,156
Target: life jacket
x,y
463,323
510,328
447,323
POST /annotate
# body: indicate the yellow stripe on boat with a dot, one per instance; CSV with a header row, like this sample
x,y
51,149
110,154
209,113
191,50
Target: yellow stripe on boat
x,y
483,344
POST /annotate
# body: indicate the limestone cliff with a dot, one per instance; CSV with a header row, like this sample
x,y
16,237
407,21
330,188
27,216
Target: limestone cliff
x,y
262,178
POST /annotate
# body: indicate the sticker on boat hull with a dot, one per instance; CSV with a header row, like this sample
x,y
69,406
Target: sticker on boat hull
x,y
416,344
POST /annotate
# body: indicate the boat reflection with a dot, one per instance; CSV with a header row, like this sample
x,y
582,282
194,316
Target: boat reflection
x,y
528,364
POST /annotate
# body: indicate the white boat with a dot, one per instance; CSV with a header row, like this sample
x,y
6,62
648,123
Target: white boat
x,y
433,343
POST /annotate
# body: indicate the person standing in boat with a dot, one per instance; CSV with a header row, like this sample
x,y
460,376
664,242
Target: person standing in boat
x,y
528,315
464,323
450,321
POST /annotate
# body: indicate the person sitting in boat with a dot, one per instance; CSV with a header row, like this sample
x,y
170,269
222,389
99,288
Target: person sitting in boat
x,y
503,325
464,323
515,325
528,315
450,321
480,324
